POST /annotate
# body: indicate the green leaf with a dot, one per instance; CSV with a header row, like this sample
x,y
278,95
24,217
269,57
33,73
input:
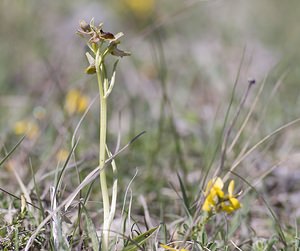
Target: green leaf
x,y
212,246
204,238
184,196
112,80
91,230
139,240
270,245
90,58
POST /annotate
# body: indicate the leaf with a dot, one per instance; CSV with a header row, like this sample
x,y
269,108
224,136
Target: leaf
x,y
119,35
91,69
204,238
270,245
91,230
119,53
212,246
139,240
112,80
184,195
90,58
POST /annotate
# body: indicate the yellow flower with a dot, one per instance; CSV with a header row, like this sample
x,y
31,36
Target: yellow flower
x,y
140,8
230,203
213,193
62,155
76,102
217,200
30,128
10,165
166,247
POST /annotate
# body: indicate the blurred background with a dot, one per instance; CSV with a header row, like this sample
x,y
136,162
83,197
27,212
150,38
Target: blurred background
x,y
176,85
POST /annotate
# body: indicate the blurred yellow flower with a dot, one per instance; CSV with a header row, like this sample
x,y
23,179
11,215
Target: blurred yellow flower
x,y
76,102
213,193
216,199
230,203
9,165
166,247
30,128
140,8
62,155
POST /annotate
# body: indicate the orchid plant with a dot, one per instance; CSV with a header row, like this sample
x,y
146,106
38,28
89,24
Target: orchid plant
x,y
102,45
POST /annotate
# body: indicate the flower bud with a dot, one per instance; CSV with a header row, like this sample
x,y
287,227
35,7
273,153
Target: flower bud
x,y
84,26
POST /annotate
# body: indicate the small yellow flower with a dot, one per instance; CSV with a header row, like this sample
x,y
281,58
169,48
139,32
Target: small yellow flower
x,y
76,102
166,247
62,155
30,128
213,193
140,8
217,200
230,203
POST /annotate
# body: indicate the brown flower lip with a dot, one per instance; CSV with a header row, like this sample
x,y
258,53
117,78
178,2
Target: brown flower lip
x,y
107,35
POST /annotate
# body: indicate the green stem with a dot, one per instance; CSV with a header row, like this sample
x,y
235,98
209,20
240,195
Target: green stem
x,y
102,154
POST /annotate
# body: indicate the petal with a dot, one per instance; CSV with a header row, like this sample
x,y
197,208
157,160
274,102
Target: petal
x,y
218,183
208,187
235,203
227,209
231,188
212,193
208,204
84,26
106,35
166,247
119,53
219,192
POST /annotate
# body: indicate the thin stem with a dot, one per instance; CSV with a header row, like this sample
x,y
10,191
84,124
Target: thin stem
x,y
102,151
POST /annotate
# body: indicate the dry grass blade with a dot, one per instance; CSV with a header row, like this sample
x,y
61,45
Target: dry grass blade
x,y
21,184
235,245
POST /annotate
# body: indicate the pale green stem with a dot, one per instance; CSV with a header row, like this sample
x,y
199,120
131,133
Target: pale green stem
x,y
102,153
